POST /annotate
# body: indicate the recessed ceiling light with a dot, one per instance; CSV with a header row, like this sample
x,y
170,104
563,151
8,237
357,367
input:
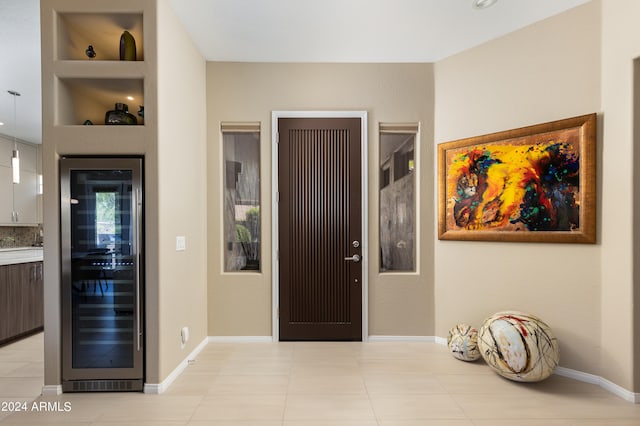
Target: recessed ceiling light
x,y
483,4
1,123
130,98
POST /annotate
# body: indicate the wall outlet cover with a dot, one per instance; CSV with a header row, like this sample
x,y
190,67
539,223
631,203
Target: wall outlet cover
x,y
181,243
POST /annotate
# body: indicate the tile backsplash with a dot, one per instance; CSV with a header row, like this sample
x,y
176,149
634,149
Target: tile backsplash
x,y
20,236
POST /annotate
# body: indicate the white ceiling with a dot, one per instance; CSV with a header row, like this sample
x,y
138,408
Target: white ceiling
x,y
282,31
20,68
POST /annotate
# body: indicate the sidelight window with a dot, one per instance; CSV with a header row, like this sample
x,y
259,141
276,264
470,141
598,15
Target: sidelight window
x,y
397,171
241,188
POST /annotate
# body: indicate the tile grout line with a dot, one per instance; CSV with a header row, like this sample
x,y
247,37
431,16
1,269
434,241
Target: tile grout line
x,y
364,383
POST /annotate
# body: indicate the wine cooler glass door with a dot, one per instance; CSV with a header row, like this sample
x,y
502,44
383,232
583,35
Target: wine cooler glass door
x,y
101,211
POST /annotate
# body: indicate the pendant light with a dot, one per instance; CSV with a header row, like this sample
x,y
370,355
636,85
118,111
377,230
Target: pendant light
x,y
15,156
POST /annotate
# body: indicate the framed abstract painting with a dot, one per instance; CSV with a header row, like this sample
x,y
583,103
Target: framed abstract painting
x,y
535,184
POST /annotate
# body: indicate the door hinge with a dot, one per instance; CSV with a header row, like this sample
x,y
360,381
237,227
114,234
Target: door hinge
x,y
277,138
278,312
278,197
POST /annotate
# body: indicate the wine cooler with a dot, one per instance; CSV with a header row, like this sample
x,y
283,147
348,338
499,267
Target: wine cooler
x,y
101,208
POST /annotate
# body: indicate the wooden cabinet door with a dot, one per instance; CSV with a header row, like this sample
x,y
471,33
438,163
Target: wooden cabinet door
x,y
4,302
21,299
6,195
13,300
25,198
32,296
38,296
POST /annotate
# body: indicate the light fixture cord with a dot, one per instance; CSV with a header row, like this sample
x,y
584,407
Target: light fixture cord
x,y
15,125
15,119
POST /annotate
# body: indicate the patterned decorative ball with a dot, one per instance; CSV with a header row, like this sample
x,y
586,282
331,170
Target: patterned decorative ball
x,y
518,346
463,342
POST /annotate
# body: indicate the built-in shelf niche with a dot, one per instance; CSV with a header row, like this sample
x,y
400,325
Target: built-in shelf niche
x,y
76,31
81,99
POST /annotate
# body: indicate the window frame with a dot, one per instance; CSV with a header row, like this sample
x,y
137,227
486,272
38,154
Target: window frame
x,y
248,128
412,130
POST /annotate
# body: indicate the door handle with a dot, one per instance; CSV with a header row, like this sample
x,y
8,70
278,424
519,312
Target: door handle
x,y
137,210
355,258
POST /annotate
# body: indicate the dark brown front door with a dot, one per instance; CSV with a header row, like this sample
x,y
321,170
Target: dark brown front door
x,y
320,224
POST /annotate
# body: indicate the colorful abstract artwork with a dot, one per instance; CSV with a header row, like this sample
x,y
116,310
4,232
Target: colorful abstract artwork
x,y
531,184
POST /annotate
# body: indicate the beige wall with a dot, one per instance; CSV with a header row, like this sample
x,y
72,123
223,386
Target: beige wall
x,y
545,72
58,141
240,304
182,183
620,34
576,63
173,142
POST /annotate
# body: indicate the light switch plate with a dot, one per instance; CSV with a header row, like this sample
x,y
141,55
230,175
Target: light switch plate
x,y
181,243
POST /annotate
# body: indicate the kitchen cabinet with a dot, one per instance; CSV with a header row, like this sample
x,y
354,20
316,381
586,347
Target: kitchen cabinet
x,y
21,300
25,199
21,206
6,195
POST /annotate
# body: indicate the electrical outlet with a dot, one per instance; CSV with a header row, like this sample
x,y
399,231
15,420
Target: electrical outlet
x,y
181,243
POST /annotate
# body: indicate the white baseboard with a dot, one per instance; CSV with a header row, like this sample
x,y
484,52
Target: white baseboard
x,y
587,378
51,390
401,339
605,384
240,339
441,340
158,388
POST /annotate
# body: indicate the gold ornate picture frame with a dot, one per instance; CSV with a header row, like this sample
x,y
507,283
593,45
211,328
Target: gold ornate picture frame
x,y
534,184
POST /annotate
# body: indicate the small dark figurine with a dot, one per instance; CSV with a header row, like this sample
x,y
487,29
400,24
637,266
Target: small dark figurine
x,y
88,123
141,111
90,52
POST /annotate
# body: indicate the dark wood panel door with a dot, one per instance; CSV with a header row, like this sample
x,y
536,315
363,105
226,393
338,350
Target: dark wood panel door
x,y
21,300
320,226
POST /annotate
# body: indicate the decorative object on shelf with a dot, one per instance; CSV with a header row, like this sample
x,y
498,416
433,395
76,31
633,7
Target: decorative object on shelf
x,y
15,155
463,342
518,346
127,47
141,111
536,184
88,122
90,52
120,115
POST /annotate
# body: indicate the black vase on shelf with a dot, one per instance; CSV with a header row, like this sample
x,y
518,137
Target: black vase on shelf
x,y
127,47
120,115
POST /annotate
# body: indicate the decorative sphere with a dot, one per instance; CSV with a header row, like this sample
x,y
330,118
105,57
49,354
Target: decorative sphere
x,y
463,342
518,346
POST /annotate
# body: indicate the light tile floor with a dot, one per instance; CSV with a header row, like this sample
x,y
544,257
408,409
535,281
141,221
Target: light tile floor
x,y
318,384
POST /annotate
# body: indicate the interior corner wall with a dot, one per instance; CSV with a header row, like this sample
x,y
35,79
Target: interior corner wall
x,y
620,275
240,303
636,228
545,72
182,290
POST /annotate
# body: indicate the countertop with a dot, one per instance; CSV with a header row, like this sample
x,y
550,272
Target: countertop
x,y
20,255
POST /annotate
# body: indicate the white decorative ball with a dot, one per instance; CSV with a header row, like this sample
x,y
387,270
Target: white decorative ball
x,y
463,342
518,346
